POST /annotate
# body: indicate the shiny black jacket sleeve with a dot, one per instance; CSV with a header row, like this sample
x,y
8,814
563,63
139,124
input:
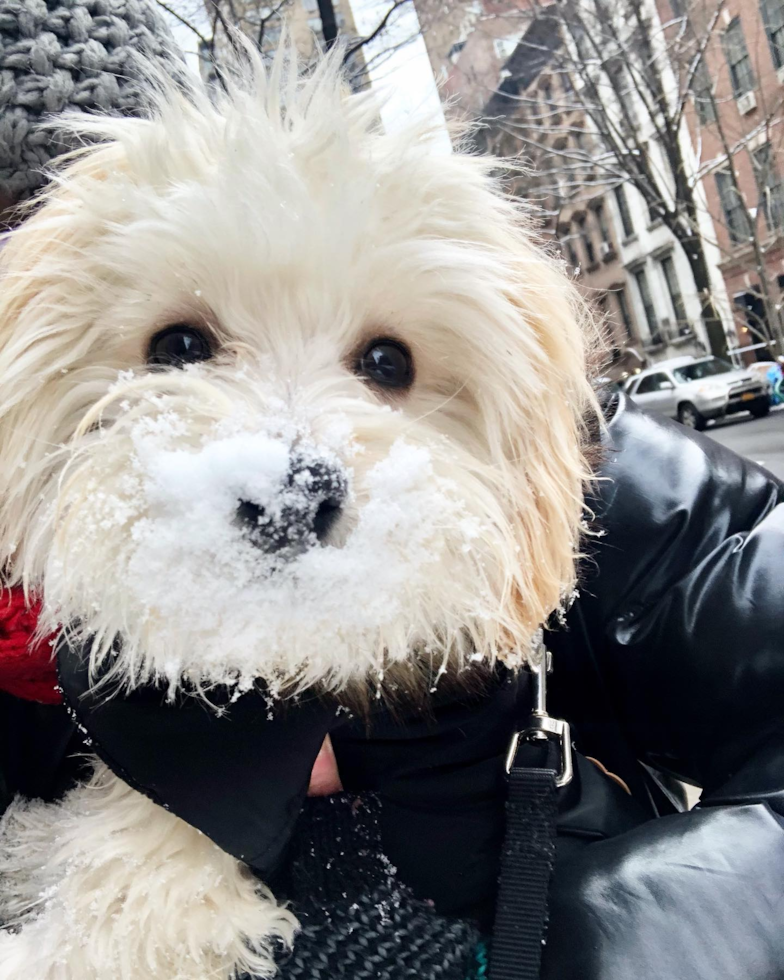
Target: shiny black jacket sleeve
x,y
682,613
684,601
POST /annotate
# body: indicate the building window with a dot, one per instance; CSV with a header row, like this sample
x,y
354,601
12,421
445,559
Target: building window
x,y
647,304
623,309
455,50
750,302
773,19
683,327
622,84
607,328
582,43
547,108
601,221
623,207
702,91
504,47
771,189
585,236
567,244
737,55
735,214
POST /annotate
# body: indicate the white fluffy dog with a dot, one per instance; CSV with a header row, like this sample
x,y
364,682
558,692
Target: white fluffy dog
x,y
284,398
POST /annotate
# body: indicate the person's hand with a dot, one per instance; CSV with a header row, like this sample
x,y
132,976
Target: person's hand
x,y
325,779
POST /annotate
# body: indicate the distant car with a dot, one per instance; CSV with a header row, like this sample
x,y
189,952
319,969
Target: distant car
x,y
695,390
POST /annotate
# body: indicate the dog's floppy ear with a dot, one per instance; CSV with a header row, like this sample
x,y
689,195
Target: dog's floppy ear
x,y
541,409
553,463
48,303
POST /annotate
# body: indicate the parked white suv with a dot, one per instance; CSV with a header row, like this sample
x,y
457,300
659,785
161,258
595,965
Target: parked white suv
x,y
694,390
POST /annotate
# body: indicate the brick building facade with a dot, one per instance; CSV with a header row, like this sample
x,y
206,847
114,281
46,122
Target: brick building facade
x,y
493,58
736,121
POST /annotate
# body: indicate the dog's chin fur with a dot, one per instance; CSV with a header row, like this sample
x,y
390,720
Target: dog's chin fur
x,y
281,223
107,885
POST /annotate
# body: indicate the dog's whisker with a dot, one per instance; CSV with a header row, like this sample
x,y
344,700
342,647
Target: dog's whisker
x,y
437,408
36,440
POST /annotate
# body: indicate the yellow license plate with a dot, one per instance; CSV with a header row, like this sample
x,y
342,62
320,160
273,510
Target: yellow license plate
x,y
748,396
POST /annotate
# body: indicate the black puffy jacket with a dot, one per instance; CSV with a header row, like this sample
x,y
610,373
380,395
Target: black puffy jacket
x,y
674,656
670,662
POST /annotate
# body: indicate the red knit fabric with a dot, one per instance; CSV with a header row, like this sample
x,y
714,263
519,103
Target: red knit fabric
x,y
27,669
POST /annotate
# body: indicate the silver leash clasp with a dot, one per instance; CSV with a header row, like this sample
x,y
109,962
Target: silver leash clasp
x,y
541,726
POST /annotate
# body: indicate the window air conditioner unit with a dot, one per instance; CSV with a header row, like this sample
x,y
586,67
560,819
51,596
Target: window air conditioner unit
x,y
747,102
605,249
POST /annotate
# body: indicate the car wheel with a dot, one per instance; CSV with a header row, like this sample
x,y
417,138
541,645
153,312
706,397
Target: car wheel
x,y
689,416
760,410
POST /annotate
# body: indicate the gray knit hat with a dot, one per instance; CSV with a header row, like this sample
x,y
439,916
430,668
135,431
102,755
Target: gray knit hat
x,y
61,55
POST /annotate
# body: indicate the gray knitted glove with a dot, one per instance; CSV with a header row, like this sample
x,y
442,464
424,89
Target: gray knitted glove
x,y
68,55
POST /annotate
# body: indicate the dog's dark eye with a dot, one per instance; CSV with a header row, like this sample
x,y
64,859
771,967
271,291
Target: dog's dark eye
x,y
178,345
387,363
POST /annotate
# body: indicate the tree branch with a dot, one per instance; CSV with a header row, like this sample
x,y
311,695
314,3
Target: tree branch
x,y
380,27
184,21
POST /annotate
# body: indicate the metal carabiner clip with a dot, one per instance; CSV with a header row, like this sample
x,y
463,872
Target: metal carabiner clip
x,y
541,725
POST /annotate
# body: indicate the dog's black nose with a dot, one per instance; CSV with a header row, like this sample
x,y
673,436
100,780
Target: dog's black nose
x,y
304,512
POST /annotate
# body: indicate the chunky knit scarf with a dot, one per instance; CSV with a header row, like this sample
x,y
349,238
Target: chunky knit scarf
x,y
359,922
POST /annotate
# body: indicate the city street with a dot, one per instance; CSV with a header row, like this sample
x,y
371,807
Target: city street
x,y
760,439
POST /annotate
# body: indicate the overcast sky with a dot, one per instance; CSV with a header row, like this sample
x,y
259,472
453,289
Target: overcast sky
x,y
402,77
194,12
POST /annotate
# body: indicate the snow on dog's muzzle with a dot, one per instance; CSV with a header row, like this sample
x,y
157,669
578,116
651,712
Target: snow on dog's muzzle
x,y
305,512
206,551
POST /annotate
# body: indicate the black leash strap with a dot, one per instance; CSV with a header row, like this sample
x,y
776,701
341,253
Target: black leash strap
x,y
539,762
526,866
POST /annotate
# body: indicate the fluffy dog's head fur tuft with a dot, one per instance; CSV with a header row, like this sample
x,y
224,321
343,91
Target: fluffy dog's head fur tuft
x,y
278,222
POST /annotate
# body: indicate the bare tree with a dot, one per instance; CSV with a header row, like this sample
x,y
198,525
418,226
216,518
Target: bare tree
x,y
262,22
724,145
633,77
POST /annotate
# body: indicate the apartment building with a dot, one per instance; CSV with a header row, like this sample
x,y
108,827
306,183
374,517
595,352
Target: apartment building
x,y
502,66
737,122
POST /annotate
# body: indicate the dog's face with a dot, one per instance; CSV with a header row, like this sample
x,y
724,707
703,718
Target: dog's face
x,y
281,397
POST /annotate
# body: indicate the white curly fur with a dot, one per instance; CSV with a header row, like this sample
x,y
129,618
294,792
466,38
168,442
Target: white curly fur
x,y
293,233
282,223
106,885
